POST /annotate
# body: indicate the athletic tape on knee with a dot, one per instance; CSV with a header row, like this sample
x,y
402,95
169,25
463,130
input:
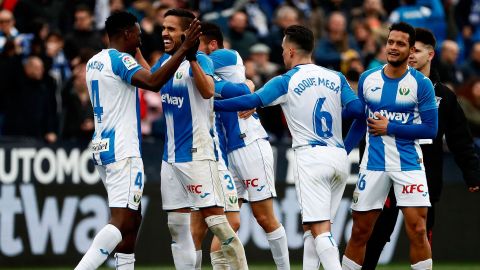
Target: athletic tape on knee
x,y
215,220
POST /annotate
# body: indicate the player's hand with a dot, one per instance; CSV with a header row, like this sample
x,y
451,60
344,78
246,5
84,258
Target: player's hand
x,y
474,189
250,85
246,114
191,40
378,127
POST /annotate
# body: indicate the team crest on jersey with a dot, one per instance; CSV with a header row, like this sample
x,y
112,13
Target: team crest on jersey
x,y
404,91
129,62
178,75
137,197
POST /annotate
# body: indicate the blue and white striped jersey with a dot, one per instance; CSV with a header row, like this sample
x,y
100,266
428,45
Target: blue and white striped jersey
x,y
311,98
400,100
189,117
115,105
239,132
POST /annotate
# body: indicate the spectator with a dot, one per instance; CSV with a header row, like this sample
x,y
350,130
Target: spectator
x,y
284,17
259,54
469,99
338,46
422,13
372,12
240,38
448,69
77,109
60,68
9,32
472,67
31,109
84,35
103,9
467,14
380,58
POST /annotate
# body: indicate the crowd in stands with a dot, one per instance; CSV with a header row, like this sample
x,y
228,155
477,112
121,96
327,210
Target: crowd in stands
x,y
45,45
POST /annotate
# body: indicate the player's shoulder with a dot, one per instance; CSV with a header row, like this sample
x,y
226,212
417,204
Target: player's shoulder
x,y
371,72
224,57
420,78
121,59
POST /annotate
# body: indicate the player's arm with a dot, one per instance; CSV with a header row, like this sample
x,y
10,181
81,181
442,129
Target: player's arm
x,y
352,106
274,92
202,70
226,89
460,141
355,134
154,81
141,60
426,130
428,111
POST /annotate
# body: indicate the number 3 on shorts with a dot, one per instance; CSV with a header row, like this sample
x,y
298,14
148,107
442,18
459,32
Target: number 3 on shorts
x,y
138,180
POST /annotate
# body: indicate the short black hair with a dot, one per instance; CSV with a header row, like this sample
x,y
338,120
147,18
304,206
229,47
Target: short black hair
x,y
185,15
119,21
301,36
211,32
425,36
405,28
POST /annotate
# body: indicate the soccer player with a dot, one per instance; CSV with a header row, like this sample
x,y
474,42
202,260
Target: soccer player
x,y
250,157
189,175
451,124
400,102
311,98
112,77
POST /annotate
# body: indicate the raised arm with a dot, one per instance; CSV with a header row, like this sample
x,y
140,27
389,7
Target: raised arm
x,y
203,81
154,81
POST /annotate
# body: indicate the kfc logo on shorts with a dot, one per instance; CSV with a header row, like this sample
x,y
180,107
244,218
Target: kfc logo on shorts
x,y
251,182
412,188
195,189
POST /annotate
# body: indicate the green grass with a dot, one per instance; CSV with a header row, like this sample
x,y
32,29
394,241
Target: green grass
x,y
396,266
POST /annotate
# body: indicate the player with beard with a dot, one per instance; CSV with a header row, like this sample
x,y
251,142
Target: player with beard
x,y
189,175
401,107
453,125
112,77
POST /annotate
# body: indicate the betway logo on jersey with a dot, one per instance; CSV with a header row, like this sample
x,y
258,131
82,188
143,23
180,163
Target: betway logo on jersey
x,y
400,117
99,146
176,101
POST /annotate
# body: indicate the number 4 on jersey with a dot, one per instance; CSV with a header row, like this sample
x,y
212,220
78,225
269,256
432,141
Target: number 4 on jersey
x,y
97,108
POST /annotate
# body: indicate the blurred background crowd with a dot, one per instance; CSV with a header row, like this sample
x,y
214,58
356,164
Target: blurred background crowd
x,y
45,44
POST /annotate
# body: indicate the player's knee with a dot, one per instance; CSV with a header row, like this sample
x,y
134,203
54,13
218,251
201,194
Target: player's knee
x,y
125,224
418,231
360,233
266,221
235,224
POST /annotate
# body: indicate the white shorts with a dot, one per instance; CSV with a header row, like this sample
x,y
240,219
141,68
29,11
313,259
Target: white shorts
x,y
372,189
252,168
229,191
190,184
320,175
124,181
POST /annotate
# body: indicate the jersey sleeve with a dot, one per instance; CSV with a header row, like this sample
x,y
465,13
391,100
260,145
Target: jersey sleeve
x,y
347,95
205,63
226,89
274,91
426,96
124,65
222,58
165,57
